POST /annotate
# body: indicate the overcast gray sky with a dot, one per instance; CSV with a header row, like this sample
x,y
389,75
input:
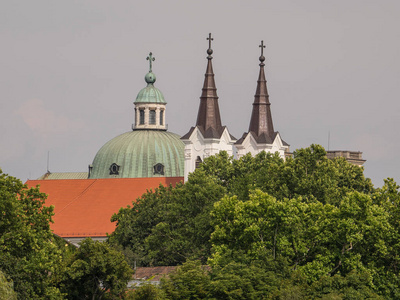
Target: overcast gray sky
x,y
70,70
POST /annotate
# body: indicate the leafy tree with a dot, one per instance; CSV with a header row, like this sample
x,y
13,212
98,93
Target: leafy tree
x,y
316,239
6,288
233,281
301,228
146,292
96,271
170,225
353,286
28,253
309,174
387,264
190,281
243,281
256,281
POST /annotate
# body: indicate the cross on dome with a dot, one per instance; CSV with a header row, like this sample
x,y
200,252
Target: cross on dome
x,y
150,58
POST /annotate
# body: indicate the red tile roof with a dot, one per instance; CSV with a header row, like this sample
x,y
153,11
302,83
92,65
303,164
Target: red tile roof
x,y
83,207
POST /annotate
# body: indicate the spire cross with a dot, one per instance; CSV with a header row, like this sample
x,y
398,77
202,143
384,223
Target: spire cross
x,y
150,58
209,40
262,46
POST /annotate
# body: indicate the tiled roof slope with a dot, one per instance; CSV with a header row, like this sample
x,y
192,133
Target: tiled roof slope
x,y
83,207
64,175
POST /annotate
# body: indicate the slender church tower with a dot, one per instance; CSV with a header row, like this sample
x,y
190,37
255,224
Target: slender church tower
x,y
208,137
261,135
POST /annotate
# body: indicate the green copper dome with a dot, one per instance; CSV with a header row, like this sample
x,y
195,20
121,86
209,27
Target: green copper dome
x,y
140,153
150,94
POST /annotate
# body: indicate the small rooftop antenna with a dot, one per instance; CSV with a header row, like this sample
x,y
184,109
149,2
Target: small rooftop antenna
x,y
48,160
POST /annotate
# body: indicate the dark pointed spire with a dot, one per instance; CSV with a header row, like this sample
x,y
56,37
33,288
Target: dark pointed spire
x,y
261,118
208,117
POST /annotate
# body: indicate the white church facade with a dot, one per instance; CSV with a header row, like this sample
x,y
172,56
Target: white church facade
x,y
209,137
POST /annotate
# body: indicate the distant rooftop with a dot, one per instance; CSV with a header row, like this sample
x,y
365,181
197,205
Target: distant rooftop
x,y
353,157
63,175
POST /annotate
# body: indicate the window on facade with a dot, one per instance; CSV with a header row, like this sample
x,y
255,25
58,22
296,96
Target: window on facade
x,y
141,118
162,117
152,117
198,161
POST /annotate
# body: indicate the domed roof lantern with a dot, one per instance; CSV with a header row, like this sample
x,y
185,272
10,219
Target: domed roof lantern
x,y
149,150
150,103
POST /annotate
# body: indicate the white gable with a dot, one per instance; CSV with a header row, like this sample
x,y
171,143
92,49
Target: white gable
x,y
250,145
197,148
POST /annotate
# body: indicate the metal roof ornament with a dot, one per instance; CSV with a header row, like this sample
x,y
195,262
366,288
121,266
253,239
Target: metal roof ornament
x,y
150,78
209,50
150,58
262,57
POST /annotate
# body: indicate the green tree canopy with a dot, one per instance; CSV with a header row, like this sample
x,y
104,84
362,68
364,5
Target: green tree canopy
x,y
172,224
28,252
308,226
96,271
169,225
6,288
309,173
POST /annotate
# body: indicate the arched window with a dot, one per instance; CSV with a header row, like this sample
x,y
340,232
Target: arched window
x,y
141,120
198,161
161,117
152,117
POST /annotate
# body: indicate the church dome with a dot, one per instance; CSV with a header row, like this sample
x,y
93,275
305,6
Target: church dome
x,y
140,153
150,94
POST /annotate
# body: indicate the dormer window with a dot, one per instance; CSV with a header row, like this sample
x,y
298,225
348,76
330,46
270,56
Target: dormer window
x,y
114,169
158,169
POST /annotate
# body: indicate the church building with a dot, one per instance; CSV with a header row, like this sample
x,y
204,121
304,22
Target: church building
x,y
261,135
208,137
149,155
122,170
